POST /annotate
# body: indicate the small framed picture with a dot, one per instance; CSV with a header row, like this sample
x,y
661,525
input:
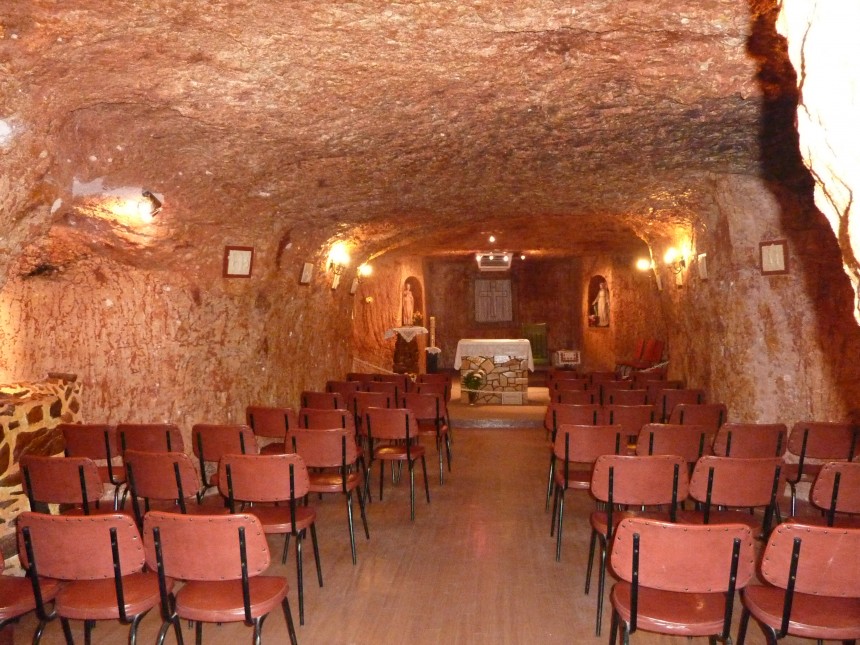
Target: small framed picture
x,y
353,287
307,273
774,257
238,261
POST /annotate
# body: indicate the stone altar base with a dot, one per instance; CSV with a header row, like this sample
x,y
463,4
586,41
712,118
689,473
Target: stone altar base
x,y
507,382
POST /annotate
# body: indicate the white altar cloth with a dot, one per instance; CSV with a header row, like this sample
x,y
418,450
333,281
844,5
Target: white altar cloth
x,y
406,333
491,347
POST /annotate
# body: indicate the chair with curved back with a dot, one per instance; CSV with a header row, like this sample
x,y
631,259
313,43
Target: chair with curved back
x,y
345,388
573,397
431,415
687,441
730,488
558,414
271,488
630,481
361,401
334,462
72,482
578,447
626,397
712,415
819,441
665,584
396,428
610,386
166,481
271,423
221,560
100,561
150,437
668,398
387,387
97,441
211,441
361,377
321,418
322,400
631,418
810,585
750,440
836,491
20,596
656,387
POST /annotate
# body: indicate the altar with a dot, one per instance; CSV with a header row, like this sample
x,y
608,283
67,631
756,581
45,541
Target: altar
x,y
503,365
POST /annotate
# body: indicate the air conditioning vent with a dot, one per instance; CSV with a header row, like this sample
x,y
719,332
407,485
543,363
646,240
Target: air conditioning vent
x,y
496,261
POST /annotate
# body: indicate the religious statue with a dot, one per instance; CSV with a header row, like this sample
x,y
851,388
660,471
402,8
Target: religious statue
x,y
601,305
408,306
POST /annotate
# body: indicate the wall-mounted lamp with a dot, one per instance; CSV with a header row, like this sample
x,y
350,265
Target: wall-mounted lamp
x,y
644,264
338,259
364,272
149,206
675,260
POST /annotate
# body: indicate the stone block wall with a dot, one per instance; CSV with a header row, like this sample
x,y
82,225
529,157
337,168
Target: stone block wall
x,y
507,382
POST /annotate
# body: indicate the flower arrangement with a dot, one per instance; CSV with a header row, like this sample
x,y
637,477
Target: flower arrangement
x,y
474,380
417,319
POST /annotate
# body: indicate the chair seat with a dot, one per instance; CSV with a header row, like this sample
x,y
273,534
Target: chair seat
x,y
276,448
576,479
826,618
722,517
221,601
666,612
276,519
96,599
332,482
840,521
428,426
398,452
598,518
16,595
118,474
810,471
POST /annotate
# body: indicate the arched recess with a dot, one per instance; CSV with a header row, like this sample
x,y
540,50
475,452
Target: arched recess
x,y
598,302
419,315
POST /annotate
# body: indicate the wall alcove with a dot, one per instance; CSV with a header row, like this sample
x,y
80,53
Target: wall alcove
x,y
598,302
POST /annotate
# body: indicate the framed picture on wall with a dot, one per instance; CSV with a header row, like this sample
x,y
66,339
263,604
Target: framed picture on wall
x,y
238,261
307,273
774,257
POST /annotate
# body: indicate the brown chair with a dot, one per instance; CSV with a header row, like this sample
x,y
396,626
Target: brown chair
x,y
811,590
221,560
836,491
558,414
630,481
819,441
631,418
712,415
431,414
97,441
387,387
100,561
433,379
655,388
668,398
272,488
397,428
626,397
574,397
334,462
345,388
578,447
570,383
607,387
270,423
212,441
20,596
666,586
361,401
750,440
598,377
402,381
150,437
641,378
166,481
361,377
72,482
729,489
322,400
318,418
687,441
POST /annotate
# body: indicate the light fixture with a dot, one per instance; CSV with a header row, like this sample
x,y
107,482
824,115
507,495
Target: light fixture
x,y
674,260
364,271
338,259
644,264
150,206
522,256
492,239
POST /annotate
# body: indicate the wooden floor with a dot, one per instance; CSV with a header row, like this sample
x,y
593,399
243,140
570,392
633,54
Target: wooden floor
x,y
476,566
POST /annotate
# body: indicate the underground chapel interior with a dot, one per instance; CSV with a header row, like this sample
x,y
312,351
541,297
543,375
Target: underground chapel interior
x,y
206,209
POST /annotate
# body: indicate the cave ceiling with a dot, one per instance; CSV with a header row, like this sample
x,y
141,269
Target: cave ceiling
x,y
416,127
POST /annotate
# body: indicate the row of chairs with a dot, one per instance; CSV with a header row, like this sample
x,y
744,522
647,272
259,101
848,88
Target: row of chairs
x,y
103,567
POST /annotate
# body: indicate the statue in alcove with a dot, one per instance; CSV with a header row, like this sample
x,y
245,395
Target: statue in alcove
x,y
408,315
601,306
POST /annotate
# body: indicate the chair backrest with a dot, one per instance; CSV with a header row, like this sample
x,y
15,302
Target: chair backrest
x,y
640,481
571,383
401,380
77,547
205,547
388,387
750,440
737,481
442,390
655,388
361,377
269,421
424,406
630,417
641,378
363,400
824,440
712,415
564,413
161,475
670,397
323,400
344,388
574,397
837,489
601,377
687,441
825,560
61,480
626,397
263,478
150,437
390,423
211,441
93,440
434,377
322,419
585,443
329,448
682,557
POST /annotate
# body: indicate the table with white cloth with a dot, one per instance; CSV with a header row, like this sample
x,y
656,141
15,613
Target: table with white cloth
x,y
503,364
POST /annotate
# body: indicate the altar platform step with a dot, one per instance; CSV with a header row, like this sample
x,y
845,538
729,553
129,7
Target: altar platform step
x,y
530,415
